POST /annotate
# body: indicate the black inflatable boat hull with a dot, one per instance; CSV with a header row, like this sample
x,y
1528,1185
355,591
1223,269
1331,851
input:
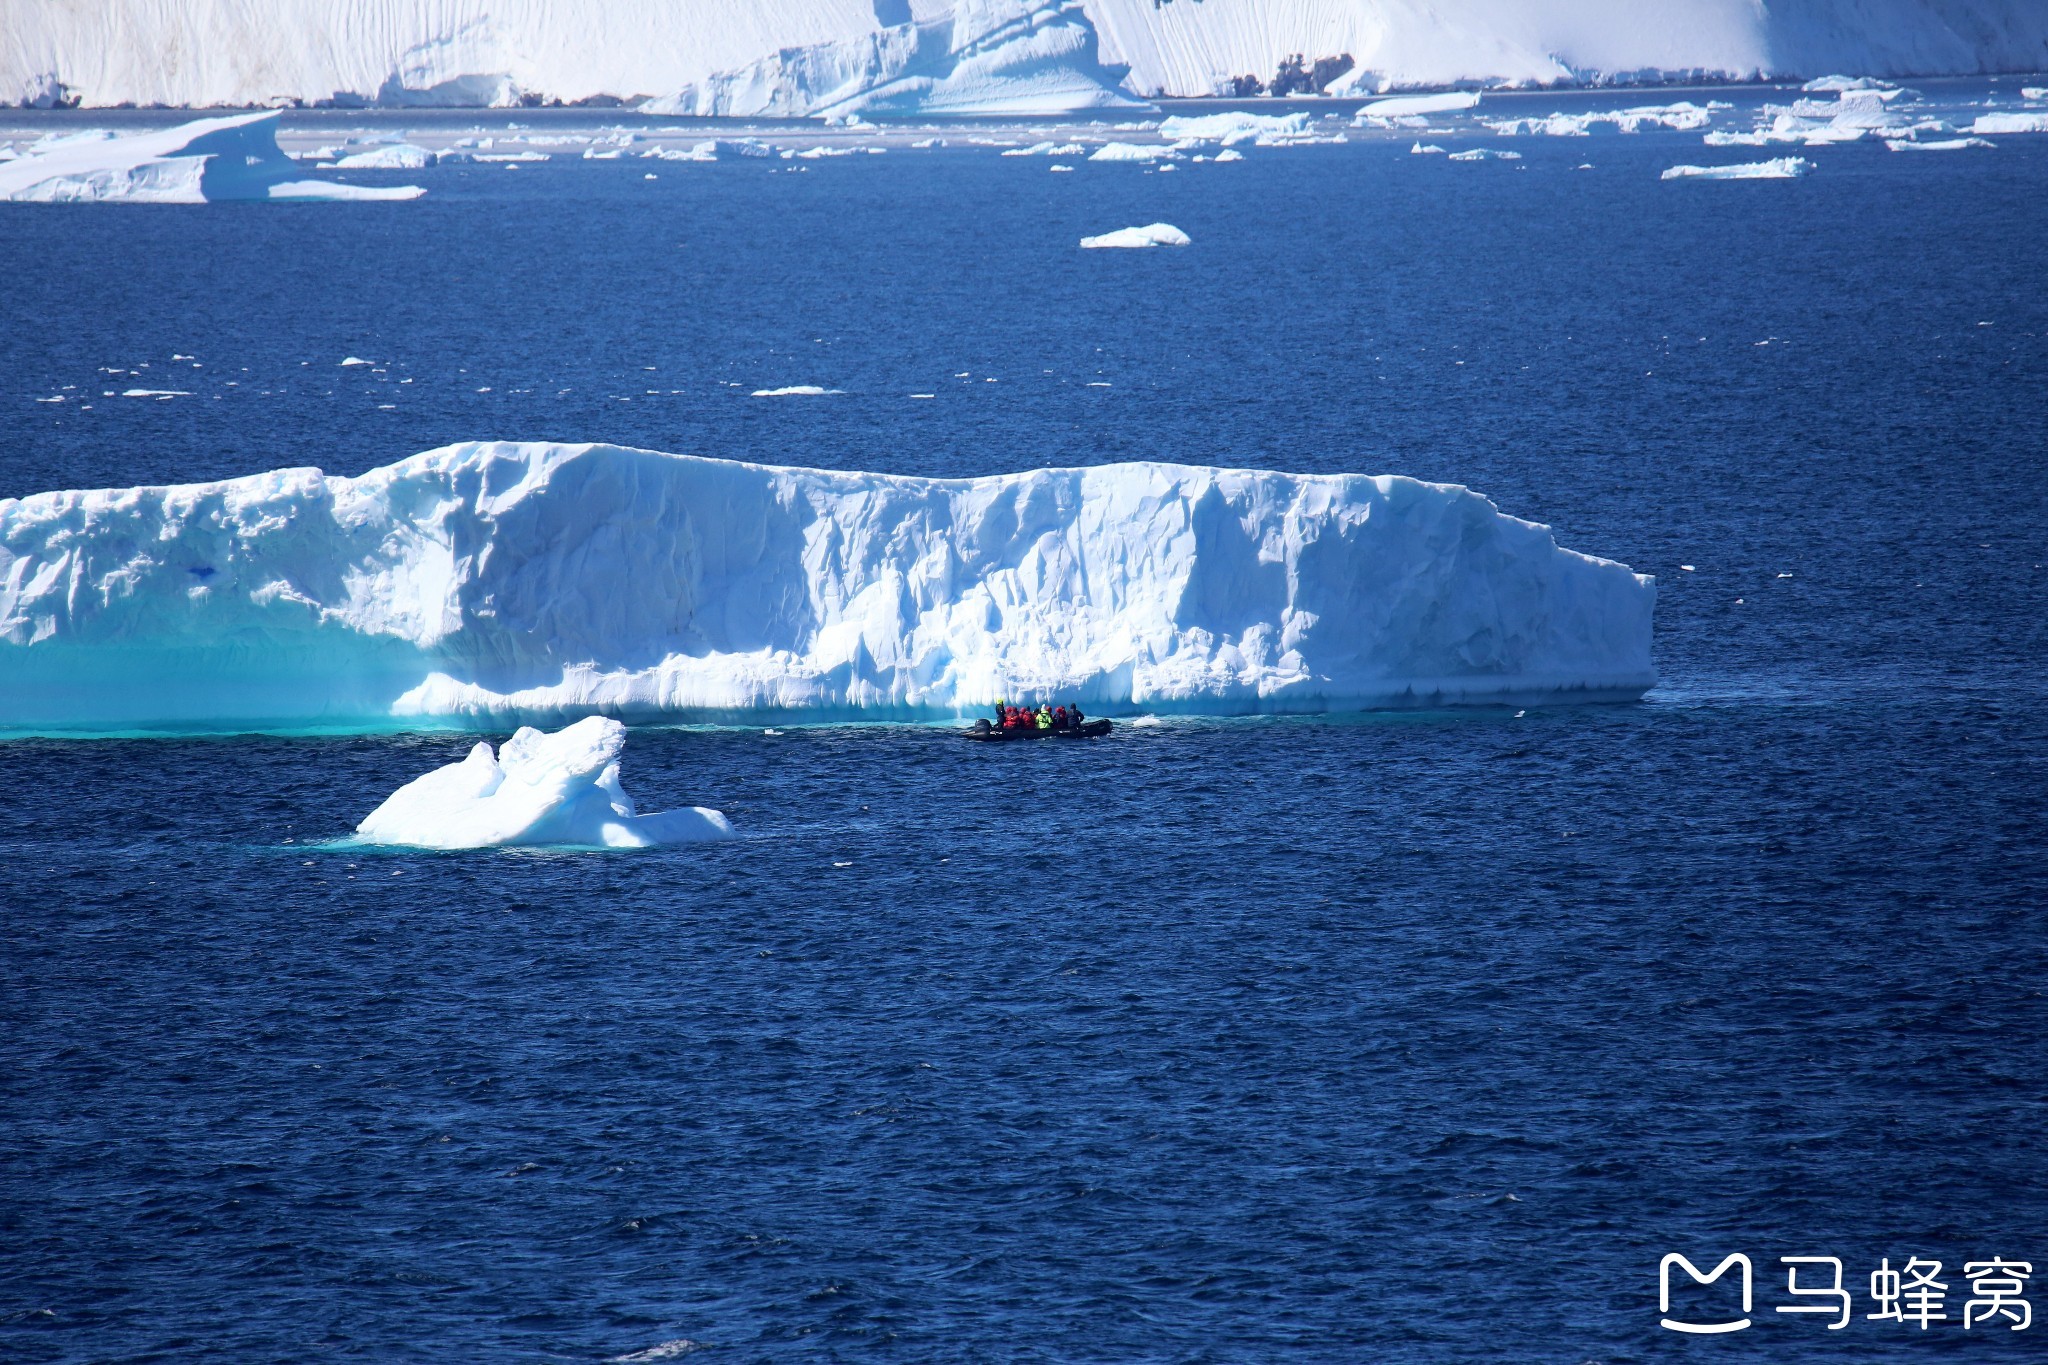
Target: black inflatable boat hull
x,y
1093,729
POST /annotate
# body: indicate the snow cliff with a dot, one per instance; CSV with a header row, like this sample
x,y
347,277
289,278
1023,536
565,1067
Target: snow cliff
x,y
1004,55
482,582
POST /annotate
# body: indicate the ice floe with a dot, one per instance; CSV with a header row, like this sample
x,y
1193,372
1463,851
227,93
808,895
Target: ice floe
x,y
1950,144
1484,154
549,790
234,157
1134,152
2018,121
397,157
489,582
1154,234
1782,168
1410,106
796,391
1232,127
1683,117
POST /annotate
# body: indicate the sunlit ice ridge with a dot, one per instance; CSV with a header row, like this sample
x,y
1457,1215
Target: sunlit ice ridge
x,y
483,584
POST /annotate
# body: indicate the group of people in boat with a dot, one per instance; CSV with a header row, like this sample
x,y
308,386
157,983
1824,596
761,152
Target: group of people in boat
x,y
1046,717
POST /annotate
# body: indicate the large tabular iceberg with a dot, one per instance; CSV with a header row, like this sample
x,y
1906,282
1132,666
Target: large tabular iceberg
x,y
538,789
482,582
207,159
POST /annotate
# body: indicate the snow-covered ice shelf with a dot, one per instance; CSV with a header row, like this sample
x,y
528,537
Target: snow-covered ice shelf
x,y
485,582
538,789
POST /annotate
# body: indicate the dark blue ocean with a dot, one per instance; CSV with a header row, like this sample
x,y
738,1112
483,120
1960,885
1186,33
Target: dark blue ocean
x,y
1415,1037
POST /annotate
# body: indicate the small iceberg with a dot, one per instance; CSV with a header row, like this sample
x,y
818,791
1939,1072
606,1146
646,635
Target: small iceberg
x,y
204,161
1947,144
1152,234
401,156
1135,151
2017,122
796,391
1780,168
539,789
1233,127
1485,154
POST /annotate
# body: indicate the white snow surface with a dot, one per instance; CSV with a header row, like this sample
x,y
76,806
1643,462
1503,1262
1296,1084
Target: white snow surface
x,y
785,56
235,157
546,789
481,583
1153,234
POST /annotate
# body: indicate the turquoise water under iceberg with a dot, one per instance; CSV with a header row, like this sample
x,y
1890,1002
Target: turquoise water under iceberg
x,y
1404,1037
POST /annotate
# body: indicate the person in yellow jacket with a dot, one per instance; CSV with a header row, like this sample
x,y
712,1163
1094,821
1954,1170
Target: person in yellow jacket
x,y
1044,721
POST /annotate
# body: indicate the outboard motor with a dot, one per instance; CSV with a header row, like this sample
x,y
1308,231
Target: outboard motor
x,y
981,726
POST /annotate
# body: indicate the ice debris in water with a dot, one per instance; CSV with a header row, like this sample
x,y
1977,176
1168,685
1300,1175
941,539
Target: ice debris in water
x,y
558,789
1232,127
1408,106
1782,168
401,157
1152,234
193,163
1485,154
796,391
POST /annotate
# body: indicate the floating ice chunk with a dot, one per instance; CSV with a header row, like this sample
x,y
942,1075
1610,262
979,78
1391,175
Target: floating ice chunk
x,y
497,157
1153,234
329,189
1428,149
540,789
1782,168
353,361
400,157
1048,149
1826,84
1951,144
1683,117
488,583
1486,154
1134,151
1060,168
795,391
156,393
1405,106
1229,154
1233,127
2017,122
2034,92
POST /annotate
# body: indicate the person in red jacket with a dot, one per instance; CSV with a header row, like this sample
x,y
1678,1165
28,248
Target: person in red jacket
x,y
1059,717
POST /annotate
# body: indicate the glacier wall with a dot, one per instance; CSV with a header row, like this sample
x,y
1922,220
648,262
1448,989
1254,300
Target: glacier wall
x,y
481,583
808,55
